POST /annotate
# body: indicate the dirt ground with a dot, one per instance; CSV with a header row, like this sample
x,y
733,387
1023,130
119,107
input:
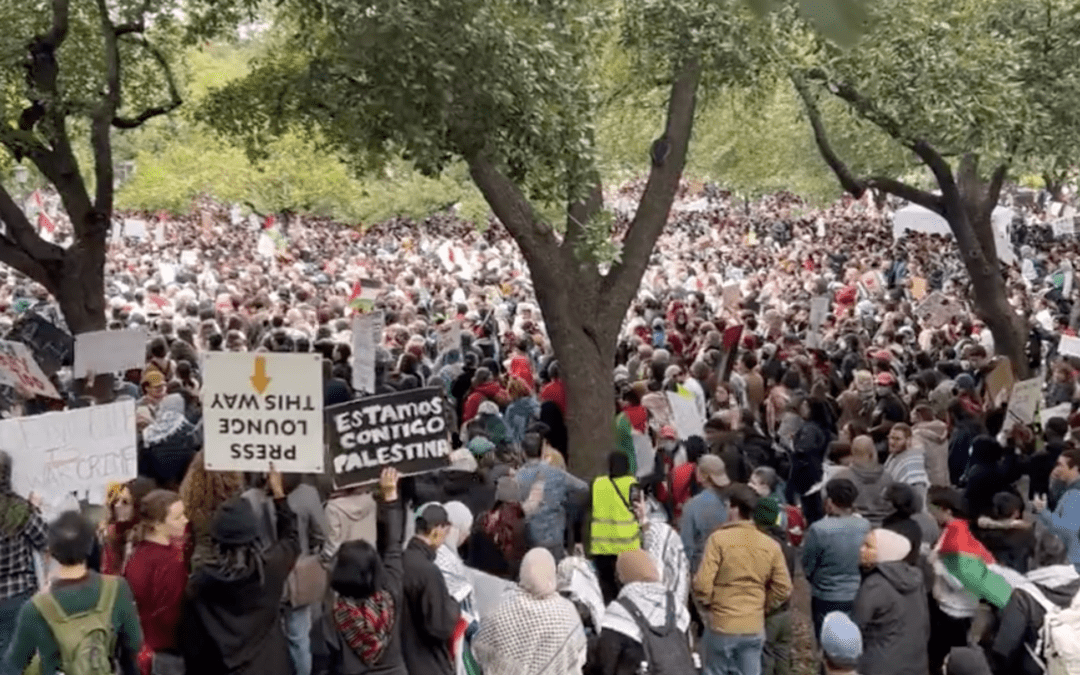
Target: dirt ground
x,y
803,660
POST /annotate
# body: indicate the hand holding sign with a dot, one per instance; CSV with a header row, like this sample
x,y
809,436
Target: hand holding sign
x,y
274,481
388,483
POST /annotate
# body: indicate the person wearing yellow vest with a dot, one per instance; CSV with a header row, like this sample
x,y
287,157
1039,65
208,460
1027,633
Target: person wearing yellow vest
x,y
614,527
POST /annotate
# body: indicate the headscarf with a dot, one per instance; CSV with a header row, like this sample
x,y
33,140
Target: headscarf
x,y
642,587
15,511
447,558
891,547
538,573
366,625
636,566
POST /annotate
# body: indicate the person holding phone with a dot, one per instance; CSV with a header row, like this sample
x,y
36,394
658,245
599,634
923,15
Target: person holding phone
x,y
614,526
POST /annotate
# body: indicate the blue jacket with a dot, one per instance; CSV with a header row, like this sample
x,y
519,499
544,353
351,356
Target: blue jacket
x,y
1064,521
700,518
831,557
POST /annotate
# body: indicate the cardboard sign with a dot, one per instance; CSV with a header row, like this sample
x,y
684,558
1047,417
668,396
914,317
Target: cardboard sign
x,y
1000,380
367,330
260,408
732,296
936,309
52,347
918,288
407,430
18,368
1024,402
110,351
78,451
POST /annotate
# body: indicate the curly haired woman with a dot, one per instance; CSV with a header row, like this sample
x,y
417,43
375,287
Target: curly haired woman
x,y
121,515
203,492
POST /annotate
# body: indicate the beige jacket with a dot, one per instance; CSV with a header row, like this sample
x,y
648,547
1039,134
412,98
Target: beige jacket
x,y
742,576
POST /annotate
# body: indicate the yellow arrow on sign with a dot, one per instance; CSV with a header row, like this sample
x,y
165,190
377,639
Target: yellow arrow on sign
x,y
259,379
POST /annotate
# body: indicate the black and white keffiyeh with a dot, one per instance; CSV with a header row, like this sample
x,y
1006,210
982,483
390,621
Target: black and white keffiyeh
x,y
527,635
651,600
666,548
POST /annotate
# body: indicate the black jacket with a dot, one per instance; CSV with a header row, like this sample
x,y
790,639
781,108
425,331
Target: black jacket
x,y
233,626
429,614
343,659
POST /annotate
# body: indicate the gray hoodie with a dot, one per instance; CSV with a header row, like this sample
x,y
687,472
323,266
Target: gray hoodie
x,y
892,614
932,439
871,481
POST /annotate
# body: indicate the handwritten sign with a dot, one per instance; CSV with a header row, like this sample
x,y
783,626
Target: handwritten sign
x,y
819,309
19,369
918,288
78,451
110,351
1024,402
685,416
936,309
449,337
52,347
407,430
261,408
1069,346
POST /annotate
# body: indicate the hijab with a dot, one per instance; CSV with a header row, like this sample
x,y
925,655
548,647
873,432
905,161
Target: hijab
x,y
538,573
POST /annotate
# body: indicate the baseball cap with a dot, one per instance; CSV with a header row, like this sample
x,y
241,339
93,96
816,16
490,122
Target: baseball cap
x,y
885,380
668,431
713,467
841,640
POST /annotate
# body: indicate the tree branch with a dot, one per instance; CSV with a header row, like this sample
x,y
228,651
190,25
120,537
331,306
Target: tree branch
x,y
137,24
18,259
512,208
21,233
621,282
59,30
105,114
154,111
580,212
853,185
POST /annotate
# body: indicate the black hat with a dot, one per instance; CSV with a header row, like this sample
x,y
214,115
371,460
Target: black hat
x,y
234,523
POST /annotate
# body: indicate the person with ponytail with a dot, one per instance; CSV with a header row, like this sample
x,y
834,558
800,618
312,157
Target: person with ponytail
x,y
121,514
156,572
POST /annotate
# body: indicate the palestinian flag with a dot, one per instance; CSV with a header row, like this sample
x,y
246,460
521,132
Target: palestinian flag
x,y
45,224
362,298
967,559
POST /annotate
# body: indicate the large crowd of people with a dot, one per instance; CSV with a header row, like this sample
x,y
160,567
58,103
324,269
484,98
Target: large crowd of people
x,y
853,432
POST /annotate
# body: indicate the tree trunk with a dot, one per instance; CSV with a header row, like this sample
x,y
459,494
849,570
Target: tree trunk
x,y
1054,184
80,289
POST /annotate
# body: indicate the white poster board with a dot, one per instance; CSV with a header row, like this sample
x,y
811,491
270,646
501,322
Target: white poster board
x,y
168,273
189,258
261,408
449,337
1069,346
914,218
644,453
81,451
135,228
819,309
19,369
685,417
110,351
367,332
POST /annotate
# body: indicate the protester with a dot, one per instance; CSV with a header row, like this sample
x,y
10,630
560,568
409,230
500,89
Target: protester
x,y
430,614
559,491
42,627
614,527
830,555
870,479
742,577
534,630
22,532
203,492
232,616
121,516
706,511
1064,520
363,629
841,644
157,575
890,608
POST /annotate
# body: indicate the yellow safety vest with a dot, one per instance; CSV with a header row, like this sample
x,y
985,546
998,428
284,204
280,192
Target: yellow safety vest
x,y
614,527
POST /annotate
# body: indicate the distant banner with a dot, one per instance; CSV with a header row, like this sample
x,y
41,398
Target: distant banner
x,y
406,430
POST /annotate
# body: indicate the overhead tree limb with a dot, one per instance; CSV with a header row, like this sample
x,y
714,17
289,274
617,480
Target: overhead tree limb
x,y
61,10
105,113
21,232
852,184
621,282
580,212
175,101
18,259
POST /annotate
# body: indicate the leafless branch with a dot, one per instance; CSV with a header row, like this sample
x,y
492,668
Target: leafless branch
x,y
154,111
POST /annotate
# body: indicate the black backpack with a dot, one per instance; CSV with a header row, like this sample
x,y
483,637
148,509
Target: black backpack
x,y
667,649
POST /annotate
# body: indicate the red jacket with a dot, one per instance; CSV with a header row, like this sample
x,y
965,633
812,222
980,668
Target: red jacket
x,y
490,390
157,576
555,392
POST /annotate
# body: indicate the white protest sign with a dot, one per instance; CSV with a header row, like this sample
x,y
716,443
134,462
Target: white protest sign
x,y
644,453
1069,346
167,272
135,228
449,337
262,407
18,368
819,309
110,351
159,234
189,258
367,332
265,246
78,450
1062,227
732,295
685,417
1024,401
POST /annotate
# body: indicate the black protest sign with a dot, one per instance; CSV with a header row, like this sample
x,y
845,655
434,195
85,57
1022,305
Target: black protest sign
x,y
407,430
53,348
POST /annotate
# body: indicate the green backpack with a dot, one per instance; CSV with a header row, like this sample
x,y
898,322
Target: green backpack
x,y
86,639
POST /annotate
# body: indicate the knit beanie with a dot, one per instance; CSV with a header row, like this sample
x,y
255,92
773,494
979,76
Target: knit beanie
x,y
234,523
636,566
767,512
891,546
480,446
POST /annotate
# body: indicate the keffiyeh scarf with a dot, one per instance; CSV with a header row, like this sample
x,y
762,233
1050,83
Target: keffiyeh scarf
x,y
651,601
527,635
366,625
666,548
